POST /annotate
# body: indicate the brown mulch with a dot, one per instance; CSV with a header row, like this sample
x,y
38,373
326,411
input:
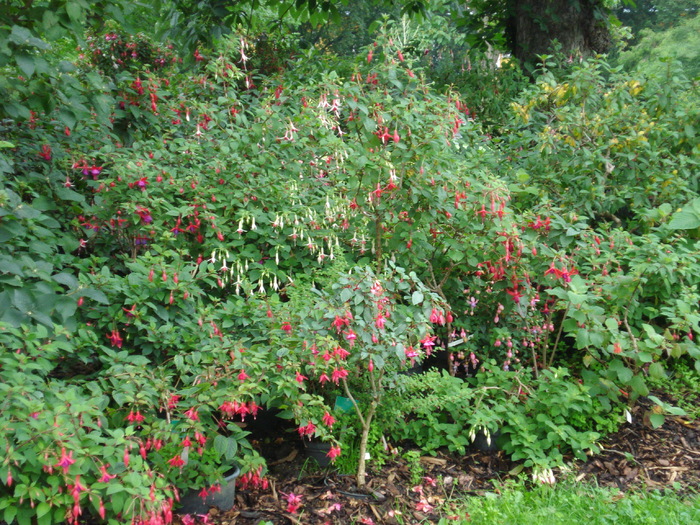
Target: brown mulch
x,y
636,457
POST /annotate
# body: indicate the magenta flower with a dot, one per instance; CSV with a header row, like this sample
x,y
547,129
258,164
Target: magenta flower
x,y
341,352
115,339
338,374
135,417
307,430
328,420
176,461
106,476
66,460
293,502
333,453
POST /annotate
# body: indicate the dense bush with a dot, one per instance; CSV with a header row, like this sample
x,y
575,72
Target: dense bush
x,y
192,246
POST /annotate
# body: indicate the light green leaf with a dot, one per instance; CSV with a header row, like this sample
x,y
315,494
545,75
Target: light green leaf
x,y
417,297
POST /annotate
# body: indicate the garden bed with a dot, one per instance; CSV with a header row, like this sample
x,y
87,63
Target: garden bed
x,y
636,457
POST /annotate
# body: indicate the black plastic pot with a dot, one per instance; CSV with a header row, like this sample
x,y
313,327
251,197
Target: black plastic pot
x,y
193,503
318,450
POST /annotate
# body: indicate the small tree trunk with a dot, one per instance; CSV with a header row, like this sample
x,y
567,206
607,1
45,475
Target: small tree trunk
x,y
367,422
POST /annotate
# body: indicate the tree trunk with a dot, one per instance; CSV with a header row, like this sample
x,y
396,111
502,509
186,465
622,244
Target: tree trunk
x,y
580,27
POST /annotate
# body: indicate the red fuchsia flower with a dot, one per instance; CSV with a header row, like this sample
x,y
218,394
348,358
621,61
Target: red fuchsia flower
x,y
333,453
176,461
339,322
324,378
130,312
380,321
341,353
145,215
66,460
242,376
437,317
287,327
328,420
135,417
106,476
430,481
192,414
617,349
424,506
8,481
428,342
173,401
338,374
350,336
115,339
308,430
293,502
300,378
45,152
514,293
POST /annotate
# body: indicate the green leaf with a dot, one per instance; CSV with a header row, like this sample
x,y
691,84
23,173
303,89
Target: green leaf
x,y
42,509
10,513
657,420
66,279
688,218
19,35
26,63
67,117
656,371
417,297
74,11
95,295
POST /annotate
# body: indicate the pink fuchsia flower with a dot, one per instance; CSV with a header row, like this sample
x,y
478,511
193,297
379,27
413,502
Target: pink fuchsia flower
x,y
45,152
333,453
66,460
144,214
106,476
424,506
411,353
338,374
300,378
176,461
437,317
115,339
173,401
135,417
341,353
324,378
380,321
328,420
287,327
307,430
339,322
192,414
350,336
242,376
428,343
293,502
